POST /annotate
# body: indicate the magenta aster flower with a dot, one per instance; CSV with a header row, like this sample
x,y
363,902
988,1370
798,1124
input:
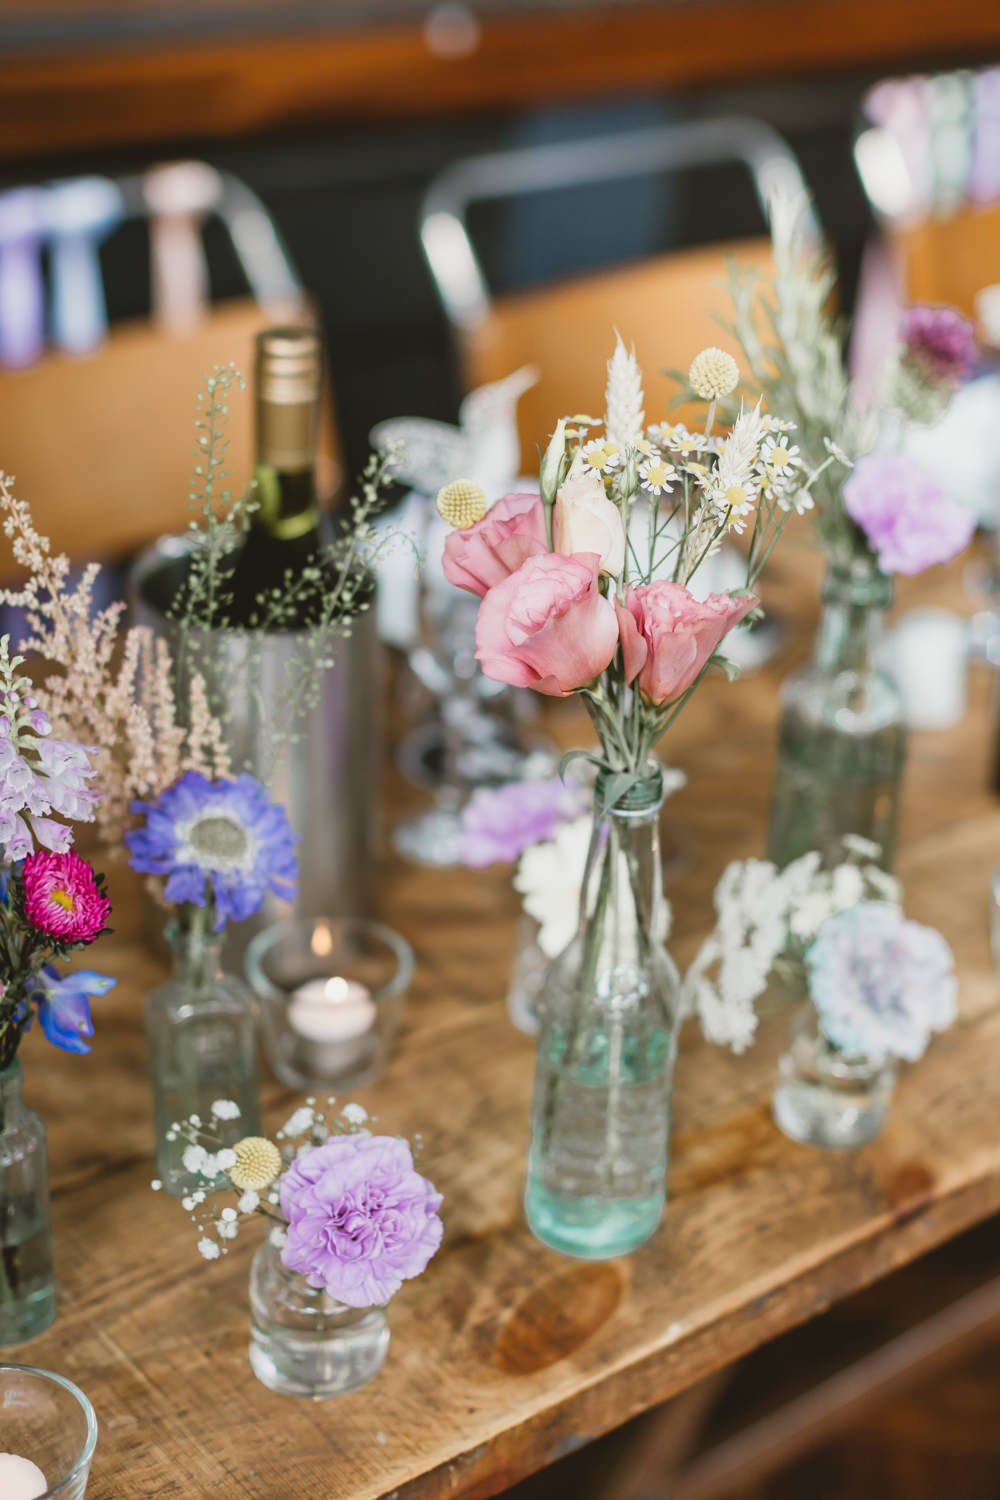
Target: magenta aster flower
x,y
908,519
62,897
941,342
361,1219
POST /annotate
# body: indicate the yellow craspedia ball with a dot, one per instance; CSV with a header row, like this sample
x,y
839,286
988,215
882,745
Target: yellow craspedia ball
x,y
461,504
713,373
258,1163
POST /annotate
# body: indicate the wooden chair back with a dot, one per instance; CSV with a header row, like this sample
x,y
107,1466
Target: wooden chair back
x,y
668,307
951,259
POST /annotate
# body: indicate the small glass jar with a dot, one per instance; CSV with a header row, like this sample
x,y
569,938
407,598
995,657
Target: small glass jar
x,y
303,1342
27,1288
202,1032
49,1421
825,1097
332,995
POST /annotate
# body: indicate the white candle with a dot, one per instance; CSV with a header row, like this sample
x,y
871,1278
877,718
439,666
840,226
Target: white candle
x,y
20,1479
928,654
334,1019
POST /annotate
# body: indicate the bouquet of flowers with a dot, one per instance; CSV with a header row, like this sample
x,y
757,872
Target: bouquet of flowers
x,y
873,502
52,903
586,588
879,984
349,1220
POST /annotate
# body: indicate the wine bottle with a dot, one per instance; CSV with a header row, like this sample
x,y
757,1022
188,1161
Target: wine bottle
x,y
285,528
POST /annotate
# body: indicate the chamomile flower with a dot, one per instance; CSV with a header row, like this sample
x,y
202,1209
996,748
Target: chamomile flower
x,y
675,437
656,476
736,502
769,423
601,456
778,466
799,500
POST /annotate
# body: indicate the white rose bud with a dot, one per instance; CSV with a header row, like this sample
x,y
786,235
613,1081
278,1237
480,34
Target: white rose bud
x,y
553,465
585,520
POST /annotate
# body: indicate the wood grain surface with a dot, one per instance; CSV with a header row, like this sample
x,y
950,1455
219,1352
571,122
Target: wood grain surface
x,y
506,1356
125,75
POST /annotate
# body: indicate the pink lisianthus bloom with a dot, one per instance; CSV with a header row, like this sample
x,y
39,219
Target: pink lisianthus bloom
x,y
63,897
668,635
484,554
548,626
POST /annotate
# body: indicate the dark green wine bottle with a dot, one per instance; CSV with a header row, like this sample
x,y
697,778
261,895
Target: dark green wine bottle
x,y
285,529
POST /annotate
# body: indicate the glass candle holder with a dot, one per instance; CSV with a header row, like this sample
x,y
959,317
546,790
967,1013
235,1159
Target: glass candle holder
x,y
331,996
824,1097
48,1432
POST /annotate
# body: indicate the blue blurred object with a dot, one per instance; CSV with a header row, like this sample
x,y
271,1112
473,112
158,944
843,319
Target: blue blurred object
x,y
79,213
22,294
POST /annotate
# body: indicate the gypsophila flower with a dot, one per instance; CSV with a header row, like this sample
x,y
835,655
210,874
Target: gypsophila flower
x,y
713,374
156,1184
208,1249
299,1121
248,1203
355,1114
225,1109
656,476
225,1159
601,456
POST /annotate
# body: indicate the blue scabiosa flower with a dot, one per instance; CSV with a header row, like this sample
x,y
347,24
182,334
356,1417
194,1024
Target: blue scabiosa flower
x,y
223,841
881,984
63,1003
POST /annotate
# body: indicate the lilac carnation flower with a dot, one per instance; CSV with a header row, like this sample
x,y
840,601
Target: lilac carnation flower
x,y
223,840
881,984
941,342
500,823
361,1219
908,519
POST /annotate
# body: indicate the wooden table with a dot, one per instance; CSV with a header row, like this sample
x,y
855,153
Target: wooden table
x,y
81,74
505,1356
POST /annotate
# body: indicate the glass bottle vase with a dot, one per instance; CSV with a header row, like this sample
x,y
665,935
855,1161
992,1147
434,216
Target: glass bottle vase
x,y
842,741
597,1166
303,1342
27,1288
202,1034
826,1097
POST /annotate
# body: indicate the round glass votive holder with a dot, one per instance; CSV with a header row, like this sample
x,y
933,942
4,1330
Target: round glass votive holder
x,y
331,994
828,1098
47,1420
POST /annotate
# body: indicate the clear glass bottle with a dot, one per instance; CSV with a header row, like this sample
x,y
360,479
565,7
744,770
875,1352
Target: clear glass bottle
x,y
825,1097
842,742
202,1033
27,1288
597,1166
303,1342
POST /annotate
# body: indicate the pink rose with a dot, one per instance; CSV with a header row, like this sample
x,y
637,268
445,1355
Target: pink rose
x,y
488,551
548,626
668,635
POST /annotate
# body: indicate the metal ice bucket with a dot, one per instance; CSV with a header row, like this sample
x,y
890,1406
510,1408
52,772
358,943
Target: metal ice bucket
x,y
325,772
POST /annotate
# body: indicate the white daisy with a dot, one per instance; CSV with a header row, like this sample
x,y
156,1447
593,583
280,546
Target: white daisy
x,y
601,456
778,466
657,476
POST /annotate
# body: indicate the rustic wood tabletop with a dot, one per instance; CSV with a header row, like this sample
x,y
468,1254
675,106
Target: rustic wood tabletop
x,y
505,1356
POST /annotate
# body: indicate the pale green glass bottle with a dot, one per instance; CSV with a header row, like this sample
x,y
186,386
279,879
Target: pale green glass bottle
x,y
27,1288
842,741
597,1167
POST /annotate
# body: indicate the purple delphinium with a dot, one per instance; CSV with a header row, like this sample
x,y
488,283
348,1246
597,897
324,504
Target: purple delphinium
x,y
940,341
361,1219
223,841
500,823
908,519
39,777
881,984
63,1004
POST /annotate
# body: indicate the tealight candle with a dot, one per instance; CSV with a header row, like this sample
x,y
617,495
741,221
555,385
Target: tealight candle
x,y
333,1019
20,1479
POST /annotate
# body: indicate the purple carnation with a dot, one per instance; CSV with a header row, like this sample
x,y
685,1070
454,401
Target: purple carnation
x,y
908,519
941,342
499,823
361,1219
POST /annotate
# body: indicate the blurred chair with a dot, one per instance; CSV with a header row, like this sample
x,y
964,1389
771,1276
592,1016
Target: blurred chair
x,y
666,306
101,443
928,155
